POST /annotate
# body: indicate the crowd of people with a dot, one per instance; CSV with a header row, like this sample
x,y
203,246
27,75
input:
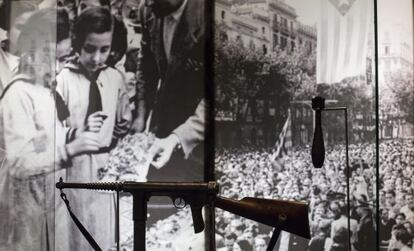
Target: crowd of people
x,y
250,172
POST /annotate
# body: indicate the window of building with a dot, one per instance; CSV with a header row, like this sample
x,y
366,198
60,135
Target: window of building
x,y
387,50
223,15
264,49
284,22
251,45
275,22
283,42
263,30
275,41
292,46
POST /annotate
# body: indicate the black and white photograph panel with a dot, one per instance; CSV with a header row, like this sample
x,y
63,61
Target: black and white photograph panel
x,y
396,119
134,87
271,58
99,91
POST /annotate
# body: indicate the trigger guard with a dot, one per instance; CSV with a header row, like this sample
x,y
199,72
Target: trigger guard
x,y
177,203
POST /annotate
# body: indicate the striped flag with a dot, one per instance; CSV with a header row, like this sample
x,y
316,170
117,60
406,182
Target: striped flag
x,y
284,142
2,157
343,31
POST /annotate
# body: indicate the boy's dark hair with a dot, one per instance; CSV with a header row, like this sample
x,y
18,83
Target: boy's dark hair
x,y
92,20
102,3
402,235
105,3
231,236
391,192
401,214
119,42
63,25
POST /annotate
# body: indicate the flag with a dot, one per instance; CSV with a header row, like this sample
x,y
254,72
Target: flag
x,y
343,31
2,157
284,142
369,71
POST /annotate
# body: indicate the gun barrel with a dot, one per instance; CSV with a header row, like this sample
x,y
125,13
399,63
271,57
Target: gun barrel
x,y
287,215
155,188
108,186
167,188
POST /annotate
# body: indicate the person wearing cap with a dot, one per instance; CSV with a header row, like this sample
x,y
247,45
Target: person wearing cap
x,y
366,228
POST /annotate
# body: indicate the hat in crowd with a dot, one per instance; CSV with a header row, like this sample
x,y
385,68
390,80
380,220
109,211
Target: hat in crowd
x,y
331,195
362,201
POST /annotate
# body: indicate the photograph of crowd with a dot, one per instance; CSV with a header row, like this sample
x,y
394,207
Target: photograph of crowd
x,y
271,59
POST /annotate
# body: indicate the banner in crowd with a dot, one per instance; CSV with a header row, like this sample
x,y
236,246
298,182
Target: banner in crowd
x,y
284,142
343,31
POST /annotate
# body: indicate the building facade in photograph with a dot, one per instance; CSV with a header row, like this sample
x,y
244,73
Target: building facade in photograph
x,y
395,67
264,25
272,28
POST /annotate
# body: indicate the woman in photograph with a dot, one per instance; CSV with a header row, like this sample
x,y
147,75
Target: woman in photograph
x,y
94,94
34,155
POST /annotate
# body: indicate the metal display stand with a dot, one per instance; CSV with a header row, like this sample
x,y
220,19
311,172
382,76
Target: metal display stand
x,y
318,148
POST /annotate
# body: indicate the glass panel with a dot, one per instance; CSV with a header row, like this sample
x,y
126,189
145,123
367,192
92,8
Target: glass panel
x,y
396,131
31,153
264,119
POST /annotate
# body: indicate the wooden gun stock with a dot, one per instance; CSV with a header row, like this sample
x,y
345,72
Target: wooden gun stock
x,y
289,216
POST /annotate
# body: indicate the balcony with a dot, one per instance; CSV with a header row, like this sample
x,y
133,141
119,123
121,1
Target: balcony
x,y
276,26
285,30
285,8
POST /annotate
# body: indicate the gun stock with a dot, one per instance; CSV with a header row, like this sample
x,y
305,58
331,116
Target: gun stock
x,y
289,216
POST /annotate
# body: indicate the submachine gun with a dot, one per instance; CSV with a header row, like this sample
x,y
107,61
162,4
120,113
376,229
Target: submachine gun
x,y
288,216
